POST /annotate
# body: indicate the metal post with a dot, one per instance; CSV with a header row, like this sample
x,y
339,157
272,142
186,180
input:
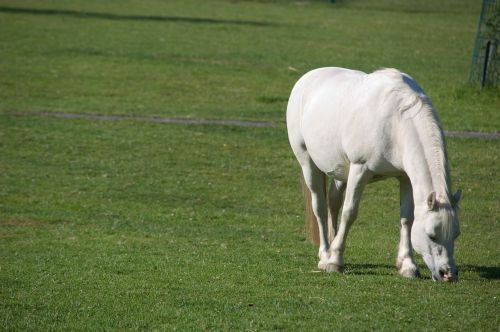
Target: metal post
x,y
485,65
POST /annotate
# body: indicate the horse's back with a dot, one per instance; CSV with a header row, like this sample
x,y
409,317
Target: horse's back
x,y
313,88
343,116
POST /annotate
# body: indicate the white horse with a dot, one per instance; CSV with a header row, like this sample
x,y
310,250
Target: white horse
x,y
359,128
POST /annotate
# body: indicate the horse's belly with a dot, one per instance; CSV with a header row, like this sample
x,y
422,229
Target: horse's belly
x,y
339,172
337,165
334,150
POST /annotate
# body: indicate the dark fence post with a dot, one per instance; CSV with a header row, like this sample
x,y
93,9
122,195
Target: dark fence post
x,y
486,63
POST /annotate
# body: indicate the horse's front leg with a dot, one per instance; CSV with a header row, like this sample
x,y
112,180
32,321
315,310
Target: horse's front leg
x,y
356,182
405,262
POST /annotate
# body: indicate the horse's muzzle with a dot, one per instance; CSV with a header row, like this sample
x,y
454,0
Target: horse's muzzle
x,y
447,276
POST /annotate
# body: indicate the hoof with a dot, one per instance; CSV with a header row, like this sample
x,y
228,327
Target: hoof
x,y
322,265
412,272
334,268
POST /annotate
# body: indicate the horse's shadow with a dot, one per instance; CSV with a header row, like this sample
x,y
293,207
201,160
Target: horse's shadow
x,y
485,272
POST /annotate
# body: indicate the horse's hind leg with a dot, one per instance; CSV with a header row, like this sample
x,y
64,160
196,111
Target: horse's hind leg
x,y
356,182
315,181
335,199
405,262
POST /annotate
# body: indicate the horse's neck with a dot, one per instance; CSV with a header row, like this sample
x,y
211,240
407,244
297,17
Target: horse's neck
x,y
425,157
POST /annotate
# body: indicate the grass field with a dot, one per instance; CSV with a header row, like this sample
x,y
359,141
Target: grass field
x,y
128,225
229,59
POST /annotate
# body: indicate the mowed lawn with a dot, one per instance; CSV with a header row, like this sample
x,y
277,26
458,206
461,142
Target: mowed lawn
x,y
230,59
129,225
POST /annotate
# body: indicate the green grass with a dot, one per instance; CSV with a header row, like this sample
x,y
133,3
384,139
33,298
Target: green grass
x,y
139,226
130,225
166,59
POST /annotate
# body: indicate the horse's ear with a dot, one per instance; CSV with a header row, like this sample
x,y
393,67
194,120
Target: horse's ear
x,y
457,196
431,201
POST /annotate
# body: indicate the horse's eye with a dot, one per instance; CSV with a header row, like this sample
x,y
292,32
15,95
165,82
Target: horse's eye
x,y
433,238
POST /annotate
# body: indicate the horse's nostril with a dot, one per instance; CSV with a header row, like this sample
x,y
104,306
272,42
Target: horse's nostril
x,y
448,276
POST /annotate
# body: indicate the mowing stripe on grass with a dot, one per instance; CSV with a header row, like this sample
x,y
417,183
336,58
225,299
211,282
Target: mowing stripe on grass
x,y
472,134
110,16
238,123
153,119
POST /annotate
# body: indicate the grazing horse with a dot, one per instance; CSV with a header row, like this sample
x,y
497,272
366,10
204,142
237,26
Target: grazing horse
x,y
357,128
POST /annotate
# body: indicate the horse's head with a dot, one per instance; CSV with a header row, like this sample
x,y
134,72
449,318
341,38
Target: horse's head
x,y
433,235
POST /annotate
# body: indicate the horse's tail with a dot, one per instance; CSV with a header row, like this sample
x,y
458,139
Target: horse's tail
x,y
312,231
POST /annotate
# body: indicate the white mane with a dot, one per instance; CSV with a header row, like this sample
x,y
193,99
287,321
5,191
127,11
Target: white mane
x,y
414,104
